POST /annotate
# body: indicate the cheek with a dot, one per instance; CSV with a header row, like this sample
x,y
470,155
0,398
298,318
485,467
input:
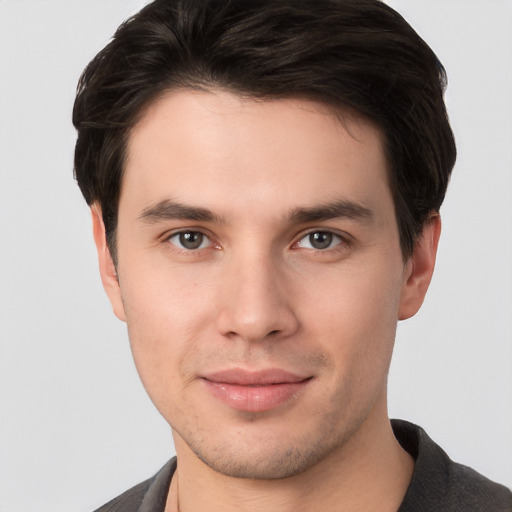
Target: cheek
x,y
167,314
355,314
162,297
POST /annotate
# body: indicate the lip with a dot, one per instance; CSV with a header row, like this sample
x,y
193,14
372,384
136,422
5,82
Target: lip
x,y
255,391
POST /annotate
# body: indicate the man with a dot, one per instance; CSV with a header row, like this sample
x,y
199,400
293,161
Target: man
x,y
265,181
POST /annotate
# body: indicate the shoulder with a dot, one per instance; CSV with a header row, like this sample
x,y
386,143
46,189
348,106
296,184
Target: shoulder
x,y
470,489
438,483
149,495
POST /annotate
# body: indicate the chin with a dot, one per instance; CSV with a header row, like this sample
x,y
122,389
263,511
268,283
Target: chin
x,y
266,458
285,464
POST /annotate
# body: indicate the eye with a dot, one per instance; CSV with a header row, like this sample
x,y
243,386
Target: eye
x,y
189,240
320,240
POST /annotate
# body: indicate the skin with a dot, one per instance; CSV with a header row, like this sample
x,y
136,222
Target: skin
x,y
260,293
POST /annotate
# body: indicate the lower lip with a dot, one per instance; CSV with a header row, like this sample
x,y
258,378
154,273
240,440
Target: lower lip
x,y
256,398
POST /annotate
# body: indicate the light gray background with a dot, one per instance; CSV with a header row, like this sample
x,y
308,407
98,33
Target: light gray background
x,y
75,424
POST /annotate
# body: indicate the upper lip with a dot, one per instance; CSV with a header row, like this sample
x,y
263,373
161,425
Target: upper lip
x,y
242,377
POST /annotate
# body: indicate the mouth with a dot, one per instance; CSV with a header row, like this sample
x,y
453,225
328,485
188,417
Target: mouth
x,y
257,391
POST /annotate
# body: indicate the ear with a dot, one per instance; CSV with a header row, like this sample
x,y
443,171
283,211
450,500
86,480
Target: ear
x,y
107,268
419,268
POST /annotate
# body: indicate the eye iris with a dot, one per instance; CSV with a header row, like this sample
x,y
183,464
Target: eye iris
x,y
320,239
191,239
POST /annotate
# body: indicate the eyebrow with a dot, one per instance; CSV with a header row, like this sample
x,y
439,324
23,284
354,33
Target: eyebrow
x,y
335,210
172,210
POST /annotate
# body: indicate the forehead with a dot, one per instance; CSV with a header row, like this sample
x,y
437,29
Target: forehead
x,y
218,149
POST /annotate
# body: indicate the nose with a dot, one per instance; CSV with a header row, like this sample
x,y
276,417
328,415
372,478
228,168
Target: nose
x,y
255,302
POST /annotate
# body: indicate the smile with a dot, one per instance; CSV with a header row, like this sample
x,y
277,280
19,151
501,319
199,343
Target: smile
x,y
255,391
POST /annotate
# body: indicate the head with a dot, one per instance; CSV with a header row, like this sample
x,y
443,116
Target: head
x,y
265,178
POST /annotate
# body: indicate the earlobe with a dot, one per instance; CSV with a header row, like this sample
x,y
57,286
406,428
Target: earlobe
x,y
108,270
419,268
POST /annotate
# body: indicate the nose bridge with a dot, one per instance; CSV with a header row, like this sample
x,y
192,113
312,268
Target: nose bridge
x,y
254,302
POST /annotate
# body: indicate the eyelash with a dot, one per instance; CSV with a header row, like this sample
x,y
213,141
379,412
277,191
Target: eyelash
x,y
342,240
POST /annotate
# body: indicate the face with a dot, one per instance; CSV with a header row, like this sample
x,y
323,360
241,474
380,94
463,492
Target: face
x,y
261,278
